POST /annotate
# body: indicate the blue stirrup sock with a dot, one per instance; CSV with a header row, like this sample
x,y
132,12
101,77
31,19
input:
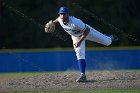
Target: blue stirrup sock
x,y
82,65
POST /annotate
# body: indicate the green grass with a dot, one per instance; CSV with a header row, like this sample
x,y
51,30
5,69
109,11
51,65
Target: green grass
x,y
67,49
89,91
16,74
99,91
120,70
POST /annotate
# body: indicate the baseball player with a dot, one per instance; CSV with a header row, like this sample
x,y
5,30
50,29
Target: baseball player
x,y
80,32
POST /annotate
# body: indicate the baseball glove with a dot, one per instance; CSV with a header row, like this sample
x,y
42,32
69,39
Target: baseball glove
x,y
50,27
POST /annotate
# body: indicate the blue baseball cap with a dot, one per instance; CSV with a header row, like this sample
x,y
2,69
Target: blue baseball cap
x,y
63,10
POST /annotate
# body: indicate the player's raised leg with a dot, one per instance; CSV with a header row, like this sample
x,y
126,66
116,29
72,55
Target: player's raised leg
x,y
98,37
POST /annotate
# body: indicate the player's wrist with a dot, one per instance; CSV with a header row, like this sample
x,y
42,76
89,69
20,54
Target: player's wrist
x,y
55,21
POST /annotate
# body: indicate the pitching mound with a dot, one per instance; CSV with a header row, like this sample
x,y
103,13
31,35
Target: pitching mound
x,y
66,81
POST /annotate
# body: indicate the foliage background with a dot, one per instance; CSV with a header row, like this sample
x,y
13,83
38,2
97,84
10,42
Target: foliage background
x,y
18,32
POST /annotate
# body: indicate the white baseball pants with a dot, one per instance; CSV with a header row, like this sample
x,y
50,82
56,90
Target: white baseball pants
x,y
94,36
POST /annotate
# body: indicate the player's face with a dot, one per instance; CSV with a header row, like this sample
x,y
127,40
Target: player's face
x,y
64,17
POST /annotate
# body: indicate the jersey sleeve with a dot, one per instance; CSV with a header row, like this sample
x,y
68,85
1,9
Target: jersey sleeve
x,y
80,25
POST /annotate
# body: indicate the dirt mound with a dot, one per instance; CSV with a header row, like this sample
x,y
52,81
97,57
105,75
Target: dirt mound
x,y
66,81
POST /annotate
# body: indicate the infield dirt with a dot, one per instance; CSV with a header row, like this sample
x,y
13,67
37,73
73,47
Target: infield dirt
x,y
66,81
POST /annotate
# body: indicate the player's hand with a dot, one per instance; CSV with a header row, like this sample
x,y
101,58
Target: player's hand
x,y
77,44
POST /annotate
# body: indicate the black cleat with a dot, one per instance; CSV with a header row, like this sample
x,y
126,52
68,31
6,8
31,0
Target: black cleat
x,y
82,78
